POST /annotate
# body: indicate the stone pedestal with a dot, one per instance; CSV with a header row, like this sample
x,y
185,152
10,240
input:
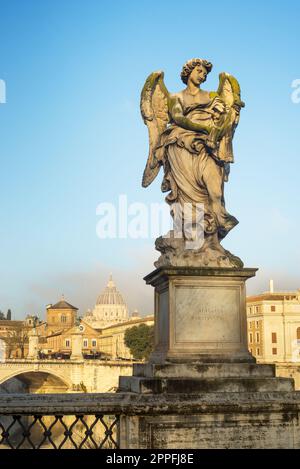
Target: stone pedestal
x,y
201,362
200,314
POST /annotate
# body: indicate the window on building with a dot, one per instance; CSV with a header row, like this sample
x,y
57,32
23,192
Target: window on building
x,y
250,338
257,336
257,309
257,351
63,319
274,351
85,343
257,324
274,338
68,343
273,309
94,343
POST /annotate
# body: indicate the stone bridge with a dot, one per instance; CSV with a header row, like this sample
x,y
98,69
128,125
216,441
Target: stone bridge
x,y
49,376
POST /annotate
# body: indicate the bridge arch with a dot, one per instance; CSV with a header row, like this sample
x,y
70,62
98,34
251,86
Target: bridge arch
x,y
39,380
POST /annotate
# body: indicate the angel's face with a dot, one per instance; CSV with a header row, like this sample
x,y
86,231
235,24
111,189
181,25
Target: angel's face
x,y
198,75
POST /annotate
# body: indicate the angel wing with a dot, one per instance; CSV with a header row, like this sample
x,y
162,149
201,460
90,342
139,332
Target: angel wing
x,y
154,110
230,92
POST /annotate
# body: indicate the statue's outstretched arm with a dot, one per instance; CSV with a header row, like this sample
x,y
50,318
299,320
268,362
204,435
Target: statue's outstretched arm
x,y
176,112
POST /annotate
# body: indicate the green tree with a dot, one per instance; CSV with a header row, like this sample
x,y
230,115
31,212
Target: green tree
x,y
2,316
8,316
140,341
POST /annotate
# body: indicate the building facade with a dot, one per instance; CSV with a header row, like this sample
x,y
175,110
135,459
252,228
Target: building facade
x,y
60,316
274,326
61,342
14,337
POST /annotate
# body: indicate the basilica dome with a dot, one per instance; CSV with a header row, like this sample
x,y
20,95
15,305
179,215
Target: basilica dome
x,y
110,295
110,308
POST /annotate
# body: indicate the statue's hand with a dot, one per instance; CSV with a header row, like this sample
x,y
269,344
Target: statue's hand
x,y
219,106
208,127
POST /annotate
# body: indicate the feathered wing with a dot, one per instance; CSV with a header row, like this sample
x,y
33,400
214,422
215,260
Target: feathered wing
x,y
230,92
154,109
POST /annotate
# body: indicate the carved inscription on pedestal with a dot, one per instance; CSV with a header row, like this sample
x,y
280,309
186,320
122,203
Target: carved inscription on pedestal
x,y
207,314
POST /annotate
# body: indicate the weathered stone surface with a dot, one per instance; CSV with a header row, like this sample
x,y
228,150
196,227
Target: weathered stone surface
x,y
174,253
131,404
201,366
163,421
203,370
220,430
200,314
185,385
206,313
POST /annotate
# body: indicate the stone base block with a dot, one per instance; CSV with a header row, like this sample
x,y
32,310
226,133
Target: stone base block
x,y
204,370
200,377
192,386
215,421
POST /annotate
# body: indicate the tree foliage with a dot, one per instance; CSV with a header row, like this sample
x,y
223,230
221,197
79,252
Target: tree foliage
x,y
140,341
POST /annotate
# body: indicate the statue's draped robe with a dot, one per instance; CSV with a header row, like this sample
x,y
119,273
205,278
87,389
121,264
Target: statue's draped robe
x,y
193,173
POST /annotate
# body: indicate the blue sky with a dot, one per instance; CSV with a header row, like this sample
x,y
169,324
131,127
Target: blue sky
x,y
72,137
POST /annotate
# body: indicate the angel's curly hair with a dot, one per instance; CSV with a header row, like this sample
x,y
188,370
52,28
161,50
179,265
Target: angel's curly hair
x,y
190,65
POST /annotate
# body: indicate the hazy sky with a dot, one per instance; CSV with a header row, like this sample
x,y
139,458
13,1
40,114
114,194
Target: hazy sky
x,y
72,137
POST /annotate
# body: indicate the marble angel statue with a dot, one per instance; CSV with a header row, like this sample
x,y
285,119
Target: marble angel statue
x,y
190,137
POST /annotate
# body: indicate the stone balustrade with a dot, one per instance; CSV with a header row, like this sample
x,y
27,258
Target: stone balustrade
x,y
113,420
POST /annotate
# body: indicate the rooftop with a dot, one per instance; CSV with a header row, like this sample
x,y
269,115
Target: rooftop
x,y
7,322
62,304
272,295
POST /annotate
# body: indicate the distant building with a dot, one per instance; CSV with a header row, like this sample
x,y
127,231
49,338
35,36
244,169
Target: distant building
x,y
61,341
7,326
107,342
32,320
15,336
60,316
274,326
135,314
102,330
110,308
111,339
